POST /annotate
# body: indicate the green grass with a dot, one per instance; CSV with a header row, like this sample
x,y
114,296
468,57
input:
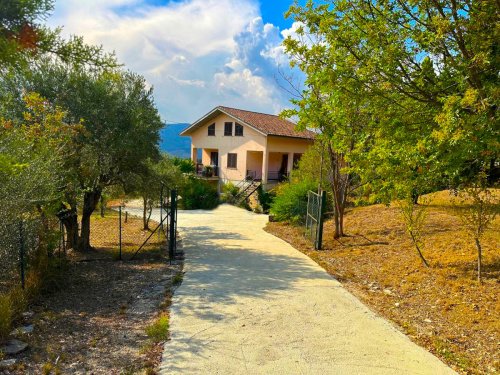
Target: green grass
x,y
158,331
177,279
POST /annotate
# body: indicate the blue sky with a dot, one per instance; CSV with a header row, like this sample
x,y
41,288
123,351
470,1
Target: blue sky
x,y
197,54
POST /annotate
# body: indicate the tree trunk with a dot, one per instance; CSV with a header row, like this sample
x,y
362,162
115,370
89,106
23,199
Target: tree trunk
x,y
479,260
70,222
339,191
102,206
90,201
145,220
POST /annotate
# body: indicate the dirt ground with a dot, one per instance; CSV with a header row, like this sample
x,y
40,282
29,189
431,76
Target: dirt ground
x,y
442,308
95,322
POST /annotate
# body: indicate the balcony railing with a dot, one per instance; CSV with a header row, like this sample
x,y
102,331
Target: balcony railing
x,y
277,176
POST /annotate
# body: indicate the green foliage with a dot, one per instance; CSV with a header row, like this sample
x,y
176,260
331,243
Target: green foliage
x,y
198,194
405,93
158,331
184,165
229,192
290,203
23,38
266,198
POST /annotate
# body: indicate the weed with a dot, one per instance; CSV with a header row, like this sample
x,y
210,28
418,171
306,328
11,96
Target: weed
x,y
177,279
158,331
5,315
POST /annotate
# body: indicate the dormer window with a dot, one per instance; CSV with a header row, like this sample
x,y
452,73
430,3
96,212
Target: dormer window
x,y
228,129
211,129
238,130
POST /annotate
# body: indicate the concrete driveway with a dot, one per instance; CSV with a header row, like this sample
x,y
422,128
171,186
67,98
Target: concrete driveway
x,y
252,304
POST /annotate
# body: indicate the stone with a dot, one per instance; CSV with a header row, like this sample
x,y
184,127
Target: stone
x,y
28,314
396,304
14,347
8,362
427,320
24,330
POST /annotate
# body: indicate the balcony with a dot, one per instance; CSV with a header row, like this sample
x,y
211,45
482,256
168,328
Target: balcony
x,y
207,171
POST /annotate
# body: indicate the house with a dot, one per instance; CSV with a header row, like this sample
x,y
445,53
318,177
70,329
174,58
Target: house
x,y
231,144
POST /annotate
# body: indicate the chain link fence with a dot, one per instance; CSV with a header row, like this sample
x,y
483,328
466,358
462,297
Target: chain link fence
x,y
19,242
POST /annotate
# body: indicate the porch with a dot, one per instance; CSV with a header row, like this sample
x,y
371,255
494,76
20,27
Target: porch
x,y
275,167
206,161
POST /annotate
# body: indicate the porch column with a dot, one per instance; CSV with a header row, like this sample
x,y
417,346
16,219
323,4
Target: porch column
x,y
289,167
265,165
194,155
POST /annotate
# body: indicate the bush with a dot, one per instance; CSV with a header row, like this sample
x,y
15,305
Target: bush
x,y
184,165
290,203
198,194
229,192
266,198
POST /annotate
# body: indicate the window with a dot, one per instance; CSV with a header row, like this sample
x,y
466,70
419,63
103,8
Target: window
x,y
232,160
228,128
238,130
211,129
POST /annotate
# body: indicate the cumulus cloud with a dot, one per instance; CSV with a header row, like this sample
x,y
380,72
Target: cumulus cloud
x,y
196,53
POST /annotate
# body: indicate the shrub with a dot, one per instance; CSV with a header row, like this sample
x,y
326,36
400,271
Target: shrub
x,y
158,331
290,203
229,192
184,165
5,316
266,198
198,194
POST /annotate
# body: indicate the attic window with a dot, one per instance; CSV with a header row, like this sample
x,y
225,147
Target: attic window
x,y
211,129
228,129
238,130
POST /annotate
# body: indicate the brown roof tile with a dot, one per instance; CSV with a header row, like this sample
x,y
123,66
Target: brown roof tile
x,y
268,124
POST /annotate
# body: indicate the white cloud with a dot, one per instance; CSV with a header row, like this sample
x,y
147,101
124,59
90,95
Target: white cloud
x,y
196,53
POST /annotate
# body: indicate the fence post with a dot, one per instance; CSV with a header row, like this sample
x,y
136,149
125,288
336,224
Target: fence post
x,y
21,252
320,220
173,211
120,229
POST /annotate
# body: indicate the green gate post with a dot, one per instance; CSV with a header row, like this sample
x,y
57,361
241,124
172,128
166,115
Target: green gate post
x,y
319,237
21,252
120,229
172,234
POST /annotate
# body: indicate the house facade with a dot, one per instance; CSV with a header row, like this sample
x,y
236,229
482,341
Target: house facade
x,y
231,144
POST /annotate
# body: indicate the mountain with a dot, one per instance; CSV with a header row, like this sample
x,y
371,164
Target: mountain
x,y
172,143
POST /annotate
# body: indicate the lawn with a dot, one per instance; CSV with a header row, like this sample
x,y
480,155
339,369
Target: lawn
x,y
442,308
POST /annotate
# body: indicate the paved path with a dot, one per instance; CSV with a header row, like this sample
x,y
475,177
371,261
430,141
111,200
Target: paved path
x,y
252,304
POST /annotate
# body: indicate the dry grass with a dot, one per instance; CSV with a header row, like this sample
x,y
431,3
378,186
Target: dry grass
x,y
105,235
96,321
443,308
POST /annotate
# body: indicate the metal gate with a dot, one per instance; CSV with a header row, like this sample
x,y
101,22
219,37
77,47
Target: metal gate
x,y
168,224
314,217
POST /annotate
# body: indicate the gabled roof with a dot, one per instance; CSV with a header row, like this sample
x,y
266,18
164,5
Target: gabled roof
x,y
261,122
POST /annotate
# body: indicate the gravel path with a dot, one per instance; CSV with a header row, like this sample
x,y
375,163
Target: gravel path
x,y
251,303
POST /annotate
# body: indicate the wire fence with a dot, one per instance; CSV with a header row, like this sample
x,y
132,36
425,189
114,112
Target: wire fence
x,y
20,240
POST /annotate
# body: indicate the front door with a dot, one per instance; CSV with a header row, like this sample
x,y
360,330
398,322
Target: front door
x,y
214,161
214,158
